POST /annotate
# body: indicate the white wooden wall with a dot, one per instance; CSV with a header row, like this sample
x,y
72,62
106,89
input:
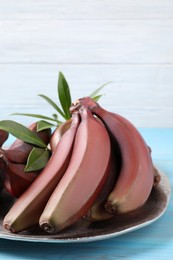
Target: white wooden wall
x,y
129,42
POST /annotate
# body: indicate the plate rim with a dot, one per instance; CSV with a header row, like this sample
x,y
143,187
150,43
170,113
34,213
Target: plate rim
x,y
164,186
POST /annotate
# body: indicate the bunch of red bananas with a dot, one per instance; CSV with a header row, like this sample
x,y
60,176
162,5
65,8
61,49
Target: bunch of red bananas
x,y
100,166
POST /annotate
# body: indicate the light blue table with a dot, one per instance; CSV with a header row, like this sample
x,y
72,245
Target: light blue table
x,y
152,242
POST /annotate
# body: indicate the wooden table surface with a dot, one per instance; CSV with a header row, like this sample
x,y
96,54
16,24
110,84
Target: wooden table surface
x,y
92,42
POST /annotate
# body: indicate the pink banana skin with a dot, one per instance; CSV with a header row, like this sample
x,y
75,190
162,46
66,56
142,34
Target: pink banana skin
x,y
27,209
18,152
57,134
3,137
84,178
136,178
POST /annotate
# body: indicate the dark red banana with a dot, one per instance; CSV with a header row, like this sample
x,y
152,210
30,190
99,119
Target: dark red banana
x,y
3,137
16,180
18,152
3,165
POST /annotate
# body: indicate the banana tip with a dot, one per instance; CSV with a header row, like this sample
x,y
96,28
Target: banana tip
x,y
47,227
157,178
9,228
110,208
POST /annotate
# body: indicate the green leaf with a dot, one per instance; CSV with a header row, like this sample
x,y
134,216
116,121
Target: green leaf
x,y
42,125
96,98
52,103
64,95
37,159
36,116
93,94
21,132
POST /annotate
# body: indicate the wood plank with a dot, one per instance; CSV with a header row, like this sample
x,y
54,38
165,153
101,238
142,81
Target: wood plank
x,y
86,42
88,9
143,94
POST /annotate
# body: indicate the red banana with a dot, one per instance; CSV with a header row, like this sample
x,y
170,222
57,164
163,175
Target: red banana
x,y
84,178
136,177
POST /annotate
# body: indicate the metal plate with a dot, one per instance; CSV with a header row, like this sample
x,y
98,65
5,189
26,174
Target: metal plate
x,y
153,209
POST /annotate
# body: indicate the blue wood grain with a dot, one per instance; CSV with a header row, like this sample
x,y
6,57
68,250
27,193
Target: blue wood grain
x,y
152,242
